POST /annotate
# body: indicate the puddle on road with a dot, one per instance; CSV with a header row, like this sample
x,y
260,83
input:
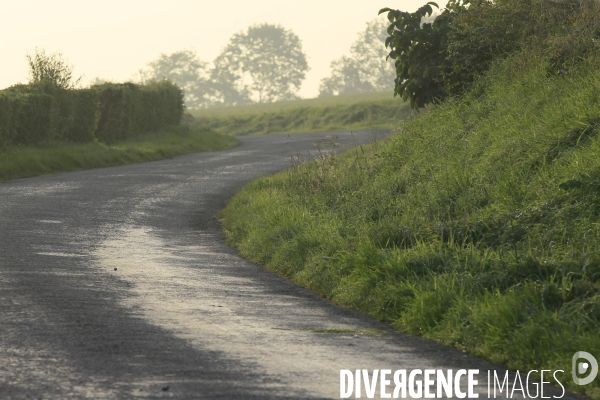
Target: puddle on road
x,y
37,189
195,293
187,290
59,254
165,287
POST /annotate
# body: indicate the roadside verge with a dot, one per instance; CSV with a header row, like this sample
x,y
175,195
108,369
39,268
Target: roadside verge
x,y
27,161
476,226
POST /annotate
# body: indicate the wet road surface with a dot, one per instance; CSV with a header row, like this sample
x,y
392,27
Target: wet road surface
x,y
116,283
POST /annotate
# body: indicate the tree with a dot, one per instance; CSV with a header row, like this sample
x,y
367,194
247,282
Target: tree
x,y
420,51
263,64
366,68
51,69
185,69
445,57
345,78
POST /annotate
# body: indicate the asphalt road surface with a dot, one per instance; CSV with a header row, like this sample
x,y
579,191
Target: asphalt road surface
x,y
116,283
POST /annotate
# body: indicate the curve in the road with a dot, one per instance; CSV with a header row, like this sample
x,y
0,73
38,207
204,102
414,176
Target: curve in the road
x,y
116,283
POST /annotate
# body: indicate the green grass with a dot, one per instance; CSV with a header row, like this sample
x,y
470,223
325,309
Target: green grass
x,y
318,115
261,108
24,162
477,226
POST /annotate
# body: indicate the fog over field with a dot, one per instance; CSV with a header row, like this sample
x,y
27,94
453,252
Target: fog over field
x,y
112,41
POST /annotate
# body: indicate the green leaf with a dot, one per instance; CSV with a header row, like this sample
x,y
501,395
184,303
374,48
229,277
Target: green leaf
x,y
391,16
384,10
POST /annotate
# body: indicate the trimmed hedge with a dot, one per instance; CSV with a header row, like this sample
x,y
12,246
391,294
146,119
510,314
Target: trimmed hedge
x,y
127,109
32,114
77,114
26,117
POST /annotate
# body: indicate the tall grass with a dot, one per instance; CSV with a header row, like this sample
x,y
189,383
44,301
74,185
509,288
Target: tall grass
x,y
24,162
477,225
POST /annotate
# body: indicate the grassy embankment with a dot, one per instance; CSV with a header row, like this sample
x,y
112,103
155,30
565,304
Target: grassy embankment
x,y
27,161
477,226
378,110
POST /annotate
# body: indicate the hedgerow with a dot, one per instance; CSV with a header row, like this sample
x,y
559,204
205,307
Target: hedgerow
x,y
43,111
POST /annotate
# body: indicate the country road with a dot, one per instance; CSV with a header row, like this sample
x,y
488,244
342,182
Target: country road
x,y
116,283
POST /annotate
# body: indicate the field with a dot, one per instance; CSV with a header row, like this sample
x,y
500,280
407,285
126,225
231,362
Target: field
x,y
259,108
477,225
349,112
24,162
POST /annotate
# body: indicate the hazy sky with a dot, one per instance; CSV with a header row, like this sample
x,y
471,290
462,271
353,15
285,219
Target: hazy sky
x,y
114,39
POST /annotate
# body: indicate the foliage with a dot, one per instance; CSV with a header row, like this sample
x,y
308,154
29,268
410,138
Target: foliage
x,y
477,225
419,51
75,112
365,69
49,108
51,69
129,109
562,32
186,70
82,115
345,78
443,58
47,111
44,111
26,116
263,64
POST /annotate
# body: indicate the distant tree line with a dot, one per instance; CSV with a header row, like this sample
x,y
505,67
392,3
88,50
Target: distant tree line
x,y
266,63
365,68
263,64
